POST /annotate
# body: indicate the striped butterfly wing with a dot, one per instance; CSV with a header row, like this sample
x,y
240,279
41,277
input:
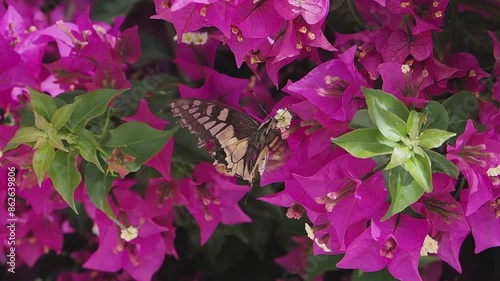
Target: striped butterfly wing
x,y
240,143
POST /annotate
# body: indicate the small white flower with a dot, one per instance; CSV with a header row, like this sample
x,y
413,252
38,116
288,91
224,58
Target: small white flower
x,y
309,232
405,68
430,246
283,118
322,246
493,172
129,234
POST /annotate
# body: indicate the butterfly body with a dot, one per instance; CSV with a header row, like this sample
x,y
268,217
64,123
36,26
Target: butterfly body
x,y
240,143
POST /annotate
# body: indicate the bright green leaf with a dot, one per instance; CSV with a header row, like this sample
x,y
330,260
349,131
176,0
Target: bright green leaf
x,y
361,120
143,145
399,156
98,185
62,115
440,164
88,147
42,104
404,191
26,135
387,101
436,116
432,138
364,143
65,176
41,123
420,169
414,123
42,157
90,106
56,142
389,124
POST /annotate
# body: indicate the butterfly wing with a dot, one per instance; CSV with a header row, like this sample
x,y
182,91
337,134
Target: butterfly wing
x,y
240,143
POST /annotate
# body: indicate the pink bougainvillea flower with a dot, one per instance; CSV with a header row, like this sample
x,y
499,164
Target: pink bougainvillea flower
x,y
398,45
392,243
141,256
470,74
485,221
447,219
219,87
477,156
195,54
213,199
296,261
311,11
334,87
428,14
345,194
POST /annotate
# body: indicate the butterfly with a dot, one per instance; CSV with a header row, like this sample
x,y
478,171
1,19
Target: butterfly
x,y
241,144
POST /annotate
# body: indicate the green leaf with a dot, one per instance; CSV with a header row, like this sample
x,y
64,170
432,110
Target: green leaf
x,y
404,191
436,116
26,135
87,144
98,185
414,123
399,155
41,123
62,115
390,125
361,120
365,143
387,101
143,145
90,106
461,107
42,104
381,275
320,264
107,10
42,157
65,176
432,138
419,166
56,142
440,164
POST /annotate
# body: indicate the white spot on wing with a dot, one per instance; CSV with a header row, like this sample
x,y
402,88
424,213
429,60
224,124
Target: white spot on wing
x,y
209,125
216,128
223,114
209,109
203,119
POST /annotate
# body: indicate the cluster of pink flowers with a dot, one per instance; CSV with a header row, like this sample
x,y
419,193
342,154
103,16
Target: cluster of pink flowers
x,y
345,198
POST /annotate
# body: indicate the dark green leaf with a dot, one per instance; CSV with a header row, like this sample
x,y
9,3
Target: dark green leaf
x,y
317,265
461,107
404,191
88,147
436,116
382,275
98,185
65,176
390,125
361,120
90,106
439,163
143,145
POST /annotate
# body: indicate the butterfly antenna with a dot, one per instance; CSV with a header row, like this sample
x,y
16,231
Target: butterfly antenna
x,y
260,105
